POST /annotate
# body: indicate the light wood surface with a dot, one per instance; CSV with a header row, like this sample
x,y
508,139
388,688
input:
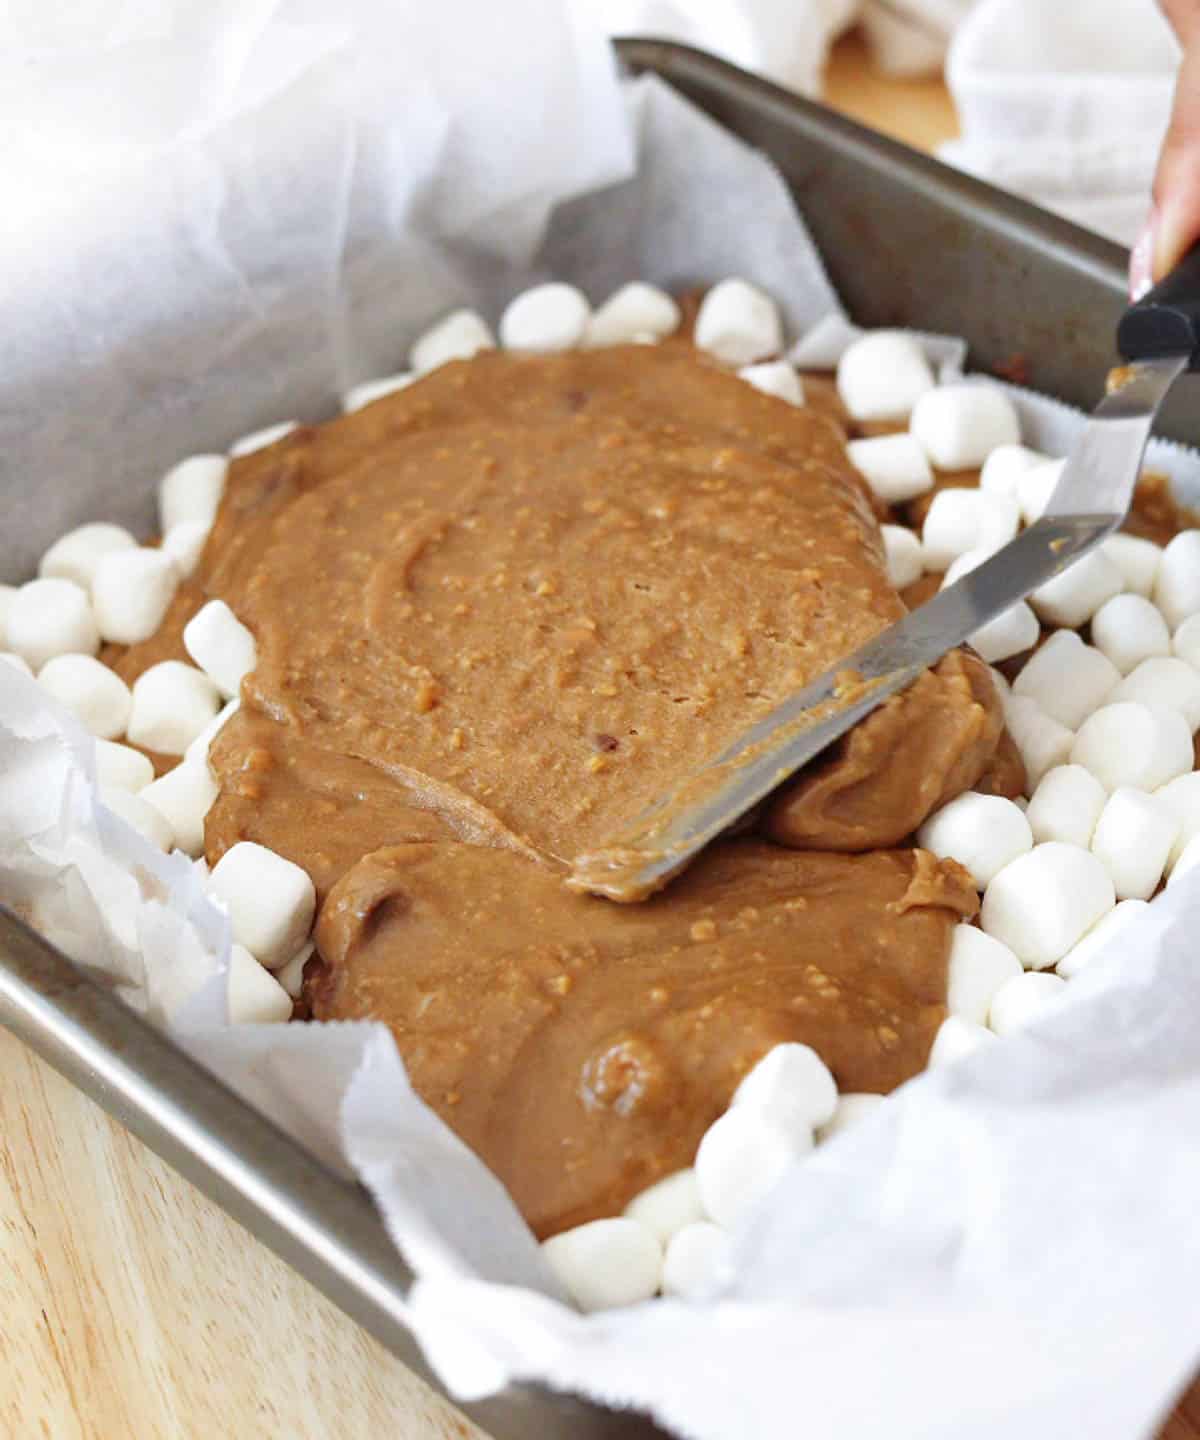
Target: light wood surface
x,y
133,1309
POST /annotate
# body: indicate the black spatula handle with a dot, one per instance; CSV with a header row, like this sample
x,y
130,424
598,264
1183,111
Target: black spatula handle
x,y
1166,320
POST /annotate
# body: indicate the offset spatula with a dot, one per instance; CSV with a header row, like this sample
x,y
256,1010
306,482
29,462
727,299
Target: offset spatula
x,y
1159,338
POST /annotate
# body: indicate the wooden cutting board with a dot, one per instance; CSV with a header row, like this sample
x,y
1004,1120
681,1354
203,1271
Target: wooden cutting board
x,y
131,1308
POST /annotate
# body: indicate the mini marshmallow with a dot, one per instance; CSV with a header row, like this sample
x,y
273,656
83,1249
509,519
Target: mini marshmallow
x,y
360,395
905,561
883,375
983,833
197,752
270,901
291,975
774,377
184,543
1136,559
131,591
1067,678
1177,583
1066,805
1181,796
262,439
172,703
1166,681
545,318
979,965
1022,999
959,425
75,555
740,1159
1012,632
457,336
665,1208
1073,597
606,1263
149,823
190,492
1189,860
255,997
1129,629
635,310
1133,838
852,1108
1142,746
1185,644
1036,486
1042,740
1082,954
695,1260
738,323
1000,681
7,592
96,695
1046,900
959,521
184,796
955,1038
790,1086
894,466
121,767
48,618
1004,467
15,662
221,646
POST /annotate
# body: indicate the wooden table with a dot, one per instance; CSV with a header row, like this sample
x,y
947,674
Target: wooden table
x,y
133,1309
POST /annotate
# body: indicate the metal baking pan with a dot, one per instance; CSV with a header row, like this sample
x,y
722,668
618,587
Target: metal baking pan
x,y
907,242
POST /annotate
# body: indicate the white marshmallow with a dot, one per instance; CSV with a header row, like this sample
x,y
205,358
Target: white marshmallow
x,y
1142,746
905,561
634,310
1081,955
457,336
1000,681
7,592
790,1086
1012,632
979,965
1004,467
894,466
190,492
184,796
15,662
606,1263
270,901
545,318
959,425
131,591
197,752
184,543
1067,678
740,1159
75,555
1189,860
1129,629
738,323
1166,681
1181,796
172,703
1046,900
1036,486
1073,597
852,1108
665,1208
91,691
121,767
1133,838
955,1038
1185,643
883,375
983,833
255,997
262,439
1042,740
1066,805
1177,584
1022,999
48,618
363,394
774,377
291,975
959,521
1136,559
149,823
695,1260
221,646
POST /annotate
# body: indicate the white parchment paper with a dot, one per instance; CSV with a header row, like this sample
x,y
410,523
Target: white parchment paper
x,y
1007,1248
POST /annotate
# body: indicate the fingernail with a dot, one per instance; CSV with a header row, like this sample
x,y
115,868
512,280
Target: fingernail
x,y
1141,258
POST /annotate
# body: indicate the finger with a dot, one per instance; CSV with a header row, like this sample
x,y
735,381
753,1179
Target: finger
x,y
1176,215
